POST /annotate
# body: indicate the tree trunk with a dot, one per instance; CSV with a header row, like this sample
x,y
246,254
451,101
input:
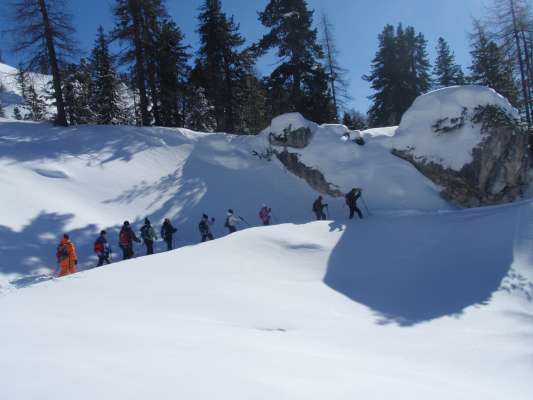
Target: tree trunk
x,y
134,7
56,75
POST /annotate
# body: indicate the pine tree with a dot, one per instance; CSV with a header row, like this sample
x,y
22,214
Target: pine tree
x,y
105,99
336,74
17,114
446,71
355,120
490,67
2,90
172,58
44,31
219,62
33,104
78,89
399,74
136,23
199,113
291,32
512,20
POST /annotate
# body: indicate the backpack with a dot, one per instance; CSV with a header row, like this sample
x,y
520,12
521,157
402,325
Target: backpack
x,y
62,252
147,233
124,238
98,246
316,206
202,226
226,223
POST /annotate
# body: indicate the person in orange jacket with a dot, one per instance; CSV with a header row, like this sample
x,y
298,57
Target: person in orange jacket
x,y
66,256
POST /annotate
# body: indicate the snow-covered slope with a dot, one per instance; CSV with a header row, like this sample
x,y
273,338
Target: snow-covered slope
x,y
83,179
12,95
419,300
249,316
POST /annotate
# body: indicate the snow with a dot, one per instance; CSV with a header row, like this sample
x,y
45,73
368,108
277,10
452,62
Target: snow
x,y
418,300
293,120
249,316
453,149
12,96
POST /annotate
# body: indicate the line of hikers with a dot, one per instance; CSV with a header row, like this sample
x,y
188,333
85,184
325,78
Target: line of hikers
x,y
66,251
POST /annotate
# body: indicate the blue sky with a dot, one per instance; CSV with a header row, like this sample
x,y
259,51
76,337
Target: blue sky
x,y
356,23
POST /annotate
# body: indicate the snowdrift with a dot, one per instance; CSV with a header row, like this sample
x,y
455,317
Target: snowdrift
x,y
420,300
87,178
248,316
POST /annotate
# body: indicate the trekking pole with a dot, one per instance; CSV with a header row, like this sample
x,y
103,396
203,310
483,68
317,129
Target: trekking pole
x,y
366,207
243,220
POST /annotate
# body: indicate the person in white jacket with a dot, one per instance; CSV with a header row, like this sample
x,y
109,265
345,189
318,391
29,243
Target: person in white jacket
x,y
231,221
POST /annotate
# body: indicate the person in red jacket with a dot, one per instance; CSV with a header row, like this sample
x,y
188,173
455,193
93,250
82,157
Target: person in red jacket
x,y
125,240
66,257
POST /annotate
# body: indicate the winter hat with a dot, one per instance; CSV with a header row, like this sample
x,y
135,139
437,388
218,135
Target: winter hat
x,y
103,232
65,236
126,223
204,216
230,211
146,221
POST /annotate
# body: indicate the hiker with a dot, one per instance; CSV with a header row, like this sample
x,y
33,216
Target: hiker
x,y
66,257
231,221
148,236
351,201
126,239
318,209
264,215
205,228
102,249
167,233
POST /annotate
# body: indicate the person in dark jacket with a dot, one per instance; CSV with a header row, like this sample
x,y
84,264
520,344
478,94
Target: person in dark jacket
x,y
318,209
351,201
205,228
126,239
148,236
102,249
167,233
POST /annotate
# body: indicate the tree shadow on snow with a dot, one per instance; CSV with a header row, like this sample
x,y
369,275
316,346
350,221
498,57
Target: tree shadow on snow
x,y
419,268
29,254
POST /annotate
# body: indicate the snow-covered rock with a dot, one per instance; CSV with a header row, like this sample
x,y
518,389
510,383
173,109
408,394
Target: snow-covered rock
x,y
291,130
468,140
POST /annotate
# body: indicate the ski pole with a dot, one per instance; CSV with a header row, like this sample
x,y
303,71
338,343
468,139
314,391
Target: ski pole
x,y
243,220
366,207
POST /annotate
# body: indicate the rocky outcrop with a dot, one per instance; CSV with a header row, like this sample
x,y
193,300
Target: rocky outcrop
x,y
497,174
298,138
312,176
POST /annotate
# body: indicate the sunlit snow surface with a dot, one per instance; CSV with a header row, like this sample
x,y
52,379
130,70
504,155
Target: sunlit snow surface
x,y
418,300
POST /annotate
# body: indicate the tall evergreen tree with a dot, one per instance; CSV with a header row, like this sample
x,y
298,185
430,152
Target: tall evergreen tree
x,y
399,74
173,71
33,104
105,99
490,67
219,62
77,89
2,90
446,71
136,24
291,32
336,74
44,31
512,22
